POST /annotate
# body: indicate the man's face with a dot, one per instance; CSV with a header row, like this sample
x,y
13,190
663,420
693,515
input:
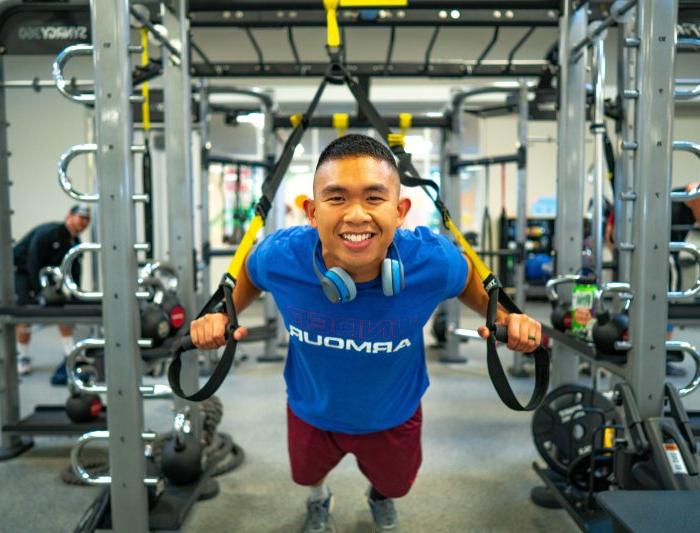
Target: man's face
x,y
356,209
76,224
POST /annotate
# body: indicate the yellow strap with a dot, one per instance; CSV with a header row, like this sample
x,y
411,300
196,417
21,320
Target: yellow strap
x,y
295,120
405,121
146,105
244,247
375,3
396,139
332,32
609,438
341,121
481,269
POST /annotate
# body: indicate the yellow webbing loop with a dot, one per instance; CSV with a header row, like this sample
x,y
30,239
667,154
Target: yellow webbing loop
x,y
405,121
332,31
146,105
295,120
481,269
375,3
609,437
396,139
244,247
341,122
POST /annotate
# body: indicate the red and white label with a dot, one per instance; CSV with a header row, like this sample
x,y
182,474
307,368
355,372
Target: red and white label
x,y
675,459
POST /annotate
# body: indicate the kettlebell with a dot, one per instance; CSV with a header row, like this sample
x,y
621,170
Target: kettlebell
x,y
181,459
83,407
561,316
607,330
174,310
155,324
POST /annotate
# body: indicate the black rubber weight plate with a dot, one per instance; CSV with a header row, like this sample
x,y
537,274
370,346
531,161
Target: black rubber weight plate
x,y
564,424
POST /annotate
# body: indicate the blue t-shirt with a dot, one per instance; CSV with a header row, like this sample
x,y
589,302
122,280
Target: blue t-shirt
x,y
356,367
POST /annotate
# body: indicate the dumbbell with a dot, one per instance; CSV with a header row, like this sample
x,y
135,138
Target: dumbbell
x,y
50,280
561,316
155,323
609,329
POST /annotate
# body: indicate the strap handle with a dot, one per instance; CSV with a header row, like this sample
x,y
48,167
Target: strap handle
x,y
228,283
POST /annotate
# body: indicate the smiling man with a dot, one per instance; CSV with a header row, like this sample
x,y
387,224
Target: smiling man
x,y
355,291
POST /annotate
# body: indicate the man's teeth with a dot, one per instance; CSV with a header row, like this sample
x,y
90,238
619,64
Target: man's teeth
x,y
356,237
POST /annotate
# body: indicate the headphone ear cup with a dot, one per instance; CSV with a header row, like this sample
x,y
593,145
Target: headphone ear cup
x,y
392,277
330,289
338,286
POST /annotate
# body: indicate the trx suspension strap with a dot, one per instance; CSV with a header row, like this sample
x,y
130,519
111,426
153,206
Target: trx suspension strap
x,y
146,172
335,73
409,177
224,294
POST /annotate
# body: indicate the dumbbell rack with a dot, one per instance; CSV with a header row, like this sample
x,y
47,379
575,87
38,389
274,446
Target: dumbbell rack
x,y
46,419
130,471
646,60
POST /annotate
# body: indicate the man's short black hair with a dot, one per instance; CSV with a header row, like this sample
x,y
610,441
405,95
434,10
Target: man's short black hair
x,y
356,145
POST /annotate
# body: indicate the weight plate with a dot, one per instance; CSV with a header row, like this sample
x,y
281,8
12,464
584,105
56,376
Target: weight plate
x,y
564,424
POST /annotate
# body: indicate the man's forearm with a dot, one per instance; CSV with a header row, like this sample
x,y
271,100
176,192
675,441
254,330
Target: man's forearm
x,y
475,297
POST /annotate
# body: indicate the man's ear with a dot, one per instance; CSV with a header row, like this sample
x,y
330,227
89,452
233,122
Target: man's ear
x,y
310,210
402,208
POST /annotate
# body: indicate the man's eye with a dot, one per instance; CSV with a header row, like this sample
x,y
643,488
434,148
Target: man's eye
x,y
335,199
375,199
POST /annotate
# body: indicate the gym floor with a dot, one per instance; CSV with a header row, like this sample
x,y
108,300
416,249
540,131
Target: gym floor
x,y
476,473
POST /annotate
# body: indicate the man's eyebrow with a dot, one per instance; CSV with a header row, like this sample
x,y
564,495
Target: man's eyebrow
x,y
333,189
377,188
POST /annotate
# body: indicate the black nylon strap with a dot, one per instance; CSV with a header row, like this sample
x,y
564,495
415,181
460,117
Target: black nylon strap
x,y
225,290
496,372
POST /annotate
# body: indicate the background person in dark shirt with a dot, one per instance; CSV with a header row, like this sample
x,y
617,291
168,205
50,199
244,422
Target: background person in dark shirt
x,y
45,245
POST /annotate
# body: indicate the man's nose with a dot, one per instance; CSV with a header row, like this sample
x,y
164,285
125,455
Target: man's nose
x,y
357,213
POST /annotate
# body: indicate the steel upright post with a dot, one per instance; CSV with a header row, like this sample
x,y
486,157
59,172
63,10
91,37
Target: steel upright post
x,y
518,368
275,221
10,445
570,171
450,187
115,172
178,147
646,362
204,289
599,154
624,186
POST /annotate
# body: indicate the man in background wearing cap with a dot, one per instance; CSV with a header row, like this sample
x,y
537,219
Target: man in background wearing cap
x,y
45,245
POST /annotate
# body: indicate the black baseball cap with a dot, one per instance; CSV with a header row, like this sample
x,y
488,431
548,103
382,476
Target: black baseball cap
x,y
81,210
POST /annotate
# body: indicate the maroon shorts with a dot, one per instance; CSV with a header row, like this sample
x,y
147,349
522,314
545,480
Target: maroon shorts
x,y
389,459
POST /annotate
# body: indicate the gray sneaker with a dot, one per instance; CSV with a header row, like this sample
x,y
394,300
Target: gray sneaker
x,y
384,515
318,516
